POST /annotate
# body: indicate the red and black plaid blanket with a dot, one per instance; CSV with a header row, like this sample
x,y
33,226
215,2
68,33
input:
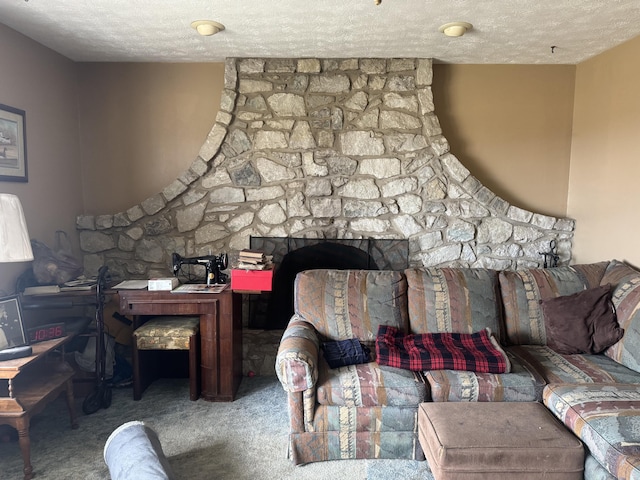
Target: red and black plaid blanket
x,y
440,351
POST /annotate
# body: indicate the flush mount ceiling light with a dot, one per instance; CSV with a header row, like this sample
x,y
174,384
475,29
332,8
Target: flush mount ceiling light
x,y
207,27
455,29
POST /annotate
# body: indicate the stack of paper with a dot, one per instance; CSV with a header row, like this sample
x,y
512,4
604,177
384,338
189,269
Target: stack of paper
x,y
79,284
42,290
199,288
132,285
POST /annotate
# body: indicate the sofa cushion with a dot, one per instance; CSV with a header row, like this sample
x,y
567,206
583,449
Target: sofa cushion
x,y
606,418
339,433
522,384
343,304
576,369
626,299
584,322
522,291
458,300
594,471
369,385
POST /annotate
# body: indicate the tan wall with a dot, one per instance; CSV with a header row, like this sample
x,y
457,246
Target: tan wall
x,y
142,125
44,85
510,125
603,190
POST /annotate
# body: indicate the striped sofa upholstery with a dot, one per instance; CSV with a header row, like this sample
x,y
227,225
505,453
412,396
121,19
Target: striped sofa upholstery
x,y
626,299
370,411
522,291
466,300
460,300
606,417
357,411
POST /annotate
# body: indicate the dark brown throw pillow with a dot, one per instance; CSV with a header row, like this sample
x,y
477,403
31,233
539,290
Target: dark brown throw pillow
x,y
584,322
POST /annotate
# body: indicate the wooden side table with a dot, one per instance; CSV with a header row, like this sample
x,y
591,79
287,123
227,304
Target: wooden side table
x,y
27,385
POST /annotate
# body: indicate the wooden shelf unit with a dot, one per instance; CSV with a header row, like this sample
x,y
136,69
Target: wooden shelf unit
x,y
27,385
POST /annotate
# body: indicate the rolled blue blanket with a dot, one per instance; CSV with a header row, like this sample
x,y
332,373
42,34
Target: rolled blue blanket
x,y
133,452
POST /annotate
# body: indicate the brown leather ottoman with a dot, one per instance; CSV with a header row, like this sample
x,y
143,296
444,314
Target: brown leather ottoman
x,y
497,440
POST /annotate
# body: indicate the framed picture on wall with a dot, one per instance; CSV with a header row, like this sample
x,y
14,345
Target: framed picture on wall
x,y
12,331
13,145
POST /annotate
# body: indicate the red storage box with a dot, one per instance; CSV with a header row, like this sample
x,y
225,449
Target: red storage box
x,y
251,280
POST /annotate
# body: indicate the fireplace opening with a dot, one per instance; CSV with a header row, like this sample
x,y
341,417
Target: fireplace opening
x,y
270,311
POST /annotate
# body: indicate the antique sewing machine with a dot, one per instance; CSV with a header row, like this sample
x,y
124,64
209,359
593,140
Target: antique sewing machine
x,y
213,264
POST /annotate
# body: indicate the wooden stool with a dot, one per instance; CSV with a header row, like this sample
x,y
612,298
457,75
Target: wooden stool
x,y
161,334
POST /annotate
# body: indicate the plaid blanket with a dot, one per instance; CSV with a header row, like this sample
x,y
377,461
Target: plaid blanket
x,y
477,352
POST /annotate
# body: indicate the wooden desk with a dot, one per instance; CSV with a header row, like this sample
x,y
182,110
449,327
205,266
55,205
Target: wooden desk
x,y
220,332
28,385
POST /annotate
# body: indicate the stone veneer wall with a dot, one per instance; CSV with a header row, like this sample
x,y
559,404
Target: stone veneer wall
x,y
324,148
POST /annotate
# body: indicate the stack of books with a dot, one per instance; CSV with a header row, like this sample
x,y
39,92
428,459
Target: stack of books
x,y
254,260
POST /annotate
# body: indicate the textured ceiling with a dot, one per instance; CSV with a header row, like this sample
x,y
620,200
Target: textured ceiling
x,y
505,31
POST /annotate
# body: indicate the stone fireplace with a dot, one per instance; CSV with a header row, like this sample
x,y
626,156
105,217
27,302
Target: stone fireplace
x,y
324,148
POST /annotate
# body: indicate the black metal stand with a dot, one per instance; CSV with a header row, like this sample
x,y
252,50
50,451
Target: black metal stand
x,y
551,257
101,396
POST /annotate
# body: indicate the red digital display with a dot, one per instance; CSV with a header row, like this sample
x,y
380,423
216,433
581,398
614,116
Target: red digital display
x,y
46,332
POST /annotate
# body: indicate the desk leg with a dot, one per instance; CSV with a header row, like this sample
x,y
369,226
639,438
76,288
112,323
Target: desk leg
x,y
22,425
71,405
210,348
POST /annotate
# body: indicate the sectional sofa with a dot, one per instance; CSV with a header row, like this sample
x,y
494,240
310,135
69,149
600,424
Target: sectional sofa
x,y
590,313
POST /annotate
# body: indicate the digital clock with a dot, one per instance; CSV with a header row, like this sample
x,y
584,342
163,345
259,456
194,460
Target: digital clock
x,y
46,332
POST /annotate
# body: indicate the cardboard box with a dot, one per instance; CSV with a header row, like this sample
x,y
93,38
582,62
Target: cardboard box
x,y
163,283
251,280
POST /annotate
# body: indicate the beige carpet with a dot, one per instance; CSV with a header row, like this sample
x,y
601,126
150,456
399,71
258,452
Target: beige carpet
x,y
244,439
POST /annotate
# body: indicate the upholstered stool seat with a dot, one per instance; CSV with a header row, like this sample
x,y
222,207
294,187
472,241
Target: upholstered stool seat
x,y
163,334
497,441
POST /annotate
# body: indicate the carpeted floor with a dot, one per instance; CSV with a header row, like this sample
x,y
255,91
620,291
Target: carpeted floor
x,y
244,439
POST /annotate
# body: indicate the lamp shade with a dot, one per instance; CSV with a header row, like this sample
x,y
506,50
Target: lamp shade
x,y
15,245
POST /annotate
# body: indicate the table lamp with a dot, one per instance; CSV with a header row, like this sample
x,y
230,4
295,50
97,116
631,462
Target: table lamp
x,y
15,246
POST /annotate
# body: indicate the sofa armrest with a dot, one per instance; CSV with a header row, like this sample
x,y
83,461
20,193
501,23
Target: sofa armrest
x,y
297,359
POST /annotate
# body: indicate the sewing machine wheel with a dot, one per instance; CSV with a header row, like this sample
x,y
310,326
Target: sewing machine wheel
x,y
224,261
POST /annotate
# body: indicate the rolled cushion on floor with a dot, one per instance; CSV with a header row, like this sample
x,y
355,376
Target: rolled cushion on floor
x,y
133,452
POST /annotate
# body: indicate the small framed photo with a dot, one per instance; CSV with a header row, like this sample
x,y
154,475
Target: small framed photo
x,y
13,145
12,331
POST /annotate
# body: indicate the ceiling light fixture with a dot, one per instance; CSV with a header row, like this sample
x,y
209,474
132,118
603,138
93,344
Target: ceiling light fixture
x,y
207,27
455,29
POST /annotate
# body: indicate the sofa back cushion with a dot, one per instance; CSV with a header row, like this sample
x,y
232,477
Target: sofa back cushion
x,y
522,291
454,300
625,282
343,304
